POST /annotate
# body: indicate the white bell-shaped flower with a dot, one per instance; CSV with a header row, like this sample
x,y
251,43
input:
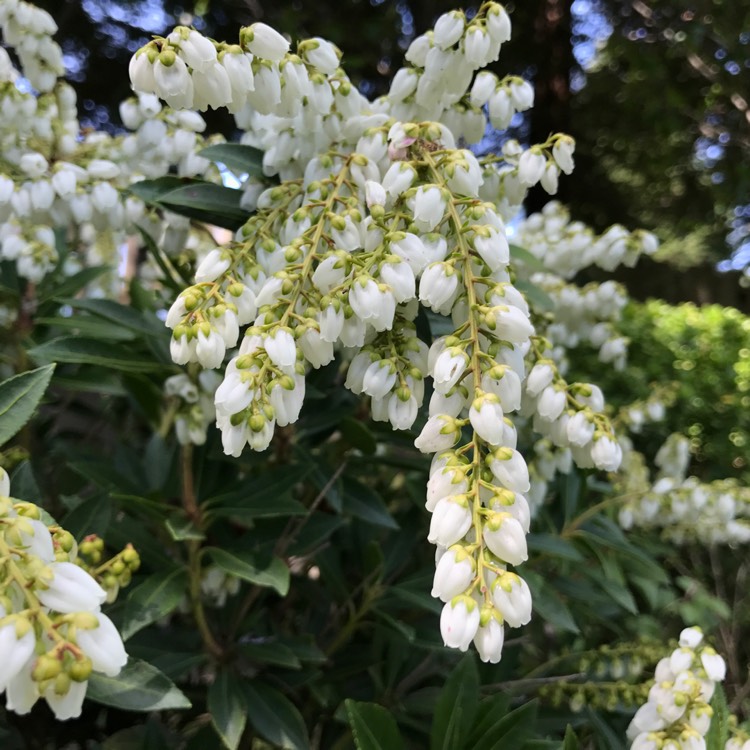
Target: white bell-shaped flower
x,y
71,589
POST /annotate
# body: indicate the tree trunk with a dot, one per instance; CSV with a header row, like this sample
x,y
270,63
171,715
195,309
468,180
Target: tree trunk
x,y
553,54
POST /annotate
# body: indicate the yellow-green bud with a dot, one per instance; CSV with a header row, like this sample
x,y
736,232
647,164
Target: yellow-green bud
x,y
80,670
46,668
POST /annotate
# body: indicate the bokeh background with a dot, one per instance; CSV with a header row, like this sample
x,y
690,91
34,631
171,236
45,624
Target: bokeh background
x,y
656,93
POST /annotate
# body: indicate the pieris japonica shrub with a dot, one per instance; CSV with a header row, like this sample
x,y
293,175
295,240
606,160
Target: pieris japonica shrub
x,y
266,397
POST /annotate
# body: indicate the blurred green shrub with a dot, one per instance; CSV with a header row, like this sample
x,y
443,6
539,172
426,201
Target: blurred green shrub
x,y
705,351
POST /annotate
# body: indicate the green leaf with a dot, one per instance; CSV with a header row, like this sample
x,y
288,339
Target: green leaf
x,y
549,605
610,739
373,727
228,709
213,204
89,326
270,651
491,710
358,435
267,496
19,397
76,350
124,316
150,191
238,157
718,732
156,597
275,717
24,484
571,741
456,707
243,565
74,284
509,730
364,502
538,297
92,516
554,546
183,530
139,687
518,253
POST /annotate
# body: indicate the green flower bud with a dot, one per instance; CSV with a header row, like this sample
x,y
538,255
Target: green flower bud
x,y
47,667
80,670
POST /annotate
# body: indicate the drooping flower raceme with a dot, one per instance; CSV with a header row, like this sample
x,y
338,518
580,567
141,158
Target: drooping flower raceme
x,y
677,713
53,634
379,213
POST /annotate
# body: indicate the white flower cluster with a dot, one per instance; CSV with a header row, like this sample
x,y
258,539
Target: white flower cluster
x,y
587,314
56,179
29,30
193,401
217,585
343,253
677,715
683,509
52,631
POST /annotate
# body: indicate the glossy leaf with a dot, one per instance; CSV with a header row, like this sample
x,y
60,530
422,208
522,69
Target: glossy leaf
x,y
244,565
238,157
139,687
212,204
228,708
456,707
275,717
373,727
155,598
75,350
19,398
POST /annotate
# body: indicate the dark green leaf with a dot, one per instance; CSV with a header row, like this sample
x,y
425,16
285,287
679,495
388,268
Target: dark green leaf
x,y
271,652
554,546
275,717
373,727
89,326
226,703
74,284
213,204
364,502
139,687
571,741
19,397
123,315
156,597
491,710
75,350
92,516
358,435
549,605
183,530
456,707
267,496
243,565
150,191
241,159
24,483
610,740
509,730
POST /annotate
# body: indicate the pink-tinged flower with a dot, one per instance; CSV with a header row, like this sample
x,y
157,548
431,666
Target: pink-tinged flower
x,y
459,622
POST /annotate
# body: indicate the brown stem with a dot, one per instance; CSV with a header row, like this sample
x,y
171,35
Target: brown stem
x,y
190,504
